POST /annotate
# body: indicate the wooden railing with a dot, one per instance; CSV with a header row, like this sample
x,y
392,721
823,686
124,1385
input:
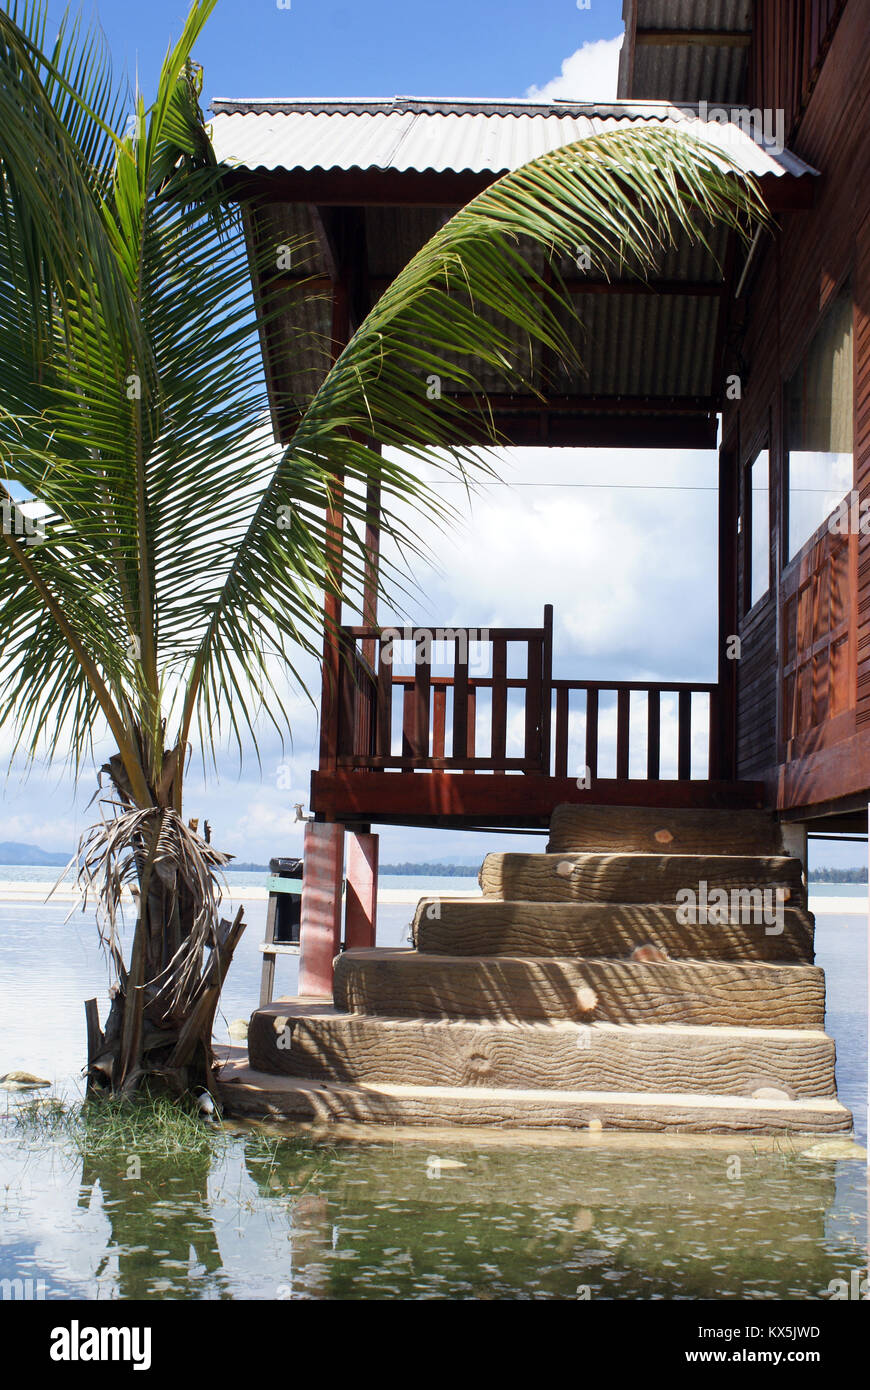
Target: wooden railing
x,y
455,720
437,710
686,714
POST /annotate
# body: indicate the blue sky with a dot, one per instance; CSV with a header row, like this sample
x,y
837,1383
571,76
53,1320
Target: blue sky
x,y
377,48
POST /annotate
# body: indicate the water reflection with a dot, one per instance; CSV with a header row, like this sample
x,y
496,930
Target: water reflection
x,y
163,1240
289,1217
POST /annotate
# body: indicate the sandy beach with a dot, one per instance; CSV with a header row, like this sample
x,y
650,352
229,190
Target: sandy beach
x,y
35,894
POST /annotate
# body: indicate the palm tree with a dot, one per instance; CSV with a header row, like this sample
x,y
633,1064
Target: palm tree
x,y
175,573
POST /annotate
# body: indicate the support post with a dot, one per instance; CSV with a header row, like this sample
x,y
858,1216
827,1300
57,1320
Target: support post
x,y
361,908
320,925
726,761
794,841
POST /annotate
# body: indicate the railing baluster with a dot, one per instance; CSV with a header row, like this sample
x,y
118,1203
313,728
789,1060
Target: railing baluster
x,y
346,703
471,724
408,707
684,755
460,700
653,734
623,709
422,682
364,722
439,717
562,717
714,745
385,700
534,701
592,733
499,698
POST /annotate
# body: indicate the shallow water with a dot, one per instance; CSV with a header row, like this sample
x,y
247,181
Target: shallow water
x,y
288,1219
268,1217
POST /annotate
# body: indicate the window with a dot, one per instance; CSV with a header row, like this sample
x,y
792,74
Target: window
x,y
756,484
818,424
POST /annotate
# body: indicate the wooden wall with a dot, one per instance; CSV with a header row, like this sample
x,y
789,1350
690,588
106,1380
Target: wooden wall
x,y
790,39
804,759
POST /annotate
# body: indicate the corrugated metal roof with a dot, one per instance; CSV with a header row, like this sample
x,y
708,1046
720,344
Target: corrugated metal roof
x,y
685,71
420,134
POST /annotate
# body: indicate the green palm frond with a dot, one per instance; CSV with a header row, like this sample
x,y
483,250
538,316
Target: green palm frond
x,y
623,196
185,555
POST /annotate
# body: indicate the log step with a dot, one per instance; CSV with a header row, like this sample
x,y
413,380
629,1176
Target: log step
x,y
246,1091
298,1037
647,829
637,878
406,983
490,927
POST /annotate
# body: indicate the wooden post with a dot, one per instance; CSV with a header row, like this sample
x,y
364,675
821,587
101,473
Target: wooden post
x,y
267,975
361,908
727,673
320,926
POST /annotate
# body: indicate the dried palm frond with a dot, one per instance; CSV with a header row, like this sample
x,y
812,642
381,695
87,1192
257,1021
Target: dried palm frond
x,y
160,861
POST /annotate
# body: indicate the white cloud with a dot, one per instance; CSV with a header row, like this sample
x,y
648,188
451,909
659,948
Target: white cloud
x,y
589,74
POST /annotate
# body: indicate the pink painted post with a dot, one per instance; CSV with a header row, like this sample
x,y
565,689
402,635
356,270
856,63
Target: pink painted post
x,y
320,926
361,910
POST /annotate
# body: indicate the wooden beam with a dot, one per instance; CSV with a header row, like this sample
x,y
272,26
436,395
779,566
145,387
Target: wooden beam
x,y
429,188
516,403
459,799
705,38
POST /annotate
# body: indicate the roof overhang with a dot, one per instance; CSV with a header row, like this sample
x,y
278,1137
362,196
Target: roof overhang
x,y
686,52
380,174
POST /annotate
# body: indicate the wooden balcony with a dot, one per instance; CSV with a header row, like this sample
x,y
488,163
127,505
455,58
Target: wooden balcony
x,y
477,732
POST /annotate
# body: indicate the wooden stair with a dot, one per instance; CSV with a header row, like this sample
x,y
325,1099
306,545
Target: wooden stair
x,y
531,1009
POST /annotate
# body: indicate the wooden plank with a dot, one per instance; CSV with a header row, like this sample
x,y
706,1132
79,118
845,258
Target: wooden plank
x,y
534,702
420,703
592,734
498,741
267,974
623,709
383,741
502,800
439,717
409,749
471,730
684,735
469,764
653,735
562,724
547,688
460,700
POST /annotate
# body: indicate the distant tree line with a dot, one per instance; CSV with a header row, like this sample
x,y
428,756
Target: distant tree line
x,y
422,870
433,870
838,875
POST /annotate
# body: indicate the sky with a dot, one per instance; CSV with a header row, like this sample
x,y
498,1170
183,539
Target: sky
x,y
623,545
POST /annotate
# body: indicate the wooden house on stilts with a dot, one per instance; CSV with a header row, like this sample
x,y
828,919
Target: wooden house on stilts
x,y
576,991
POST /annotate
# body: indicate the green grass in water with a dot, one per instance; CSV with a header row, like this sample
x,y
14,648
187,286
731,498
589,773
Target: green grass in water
x,y
140,1124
